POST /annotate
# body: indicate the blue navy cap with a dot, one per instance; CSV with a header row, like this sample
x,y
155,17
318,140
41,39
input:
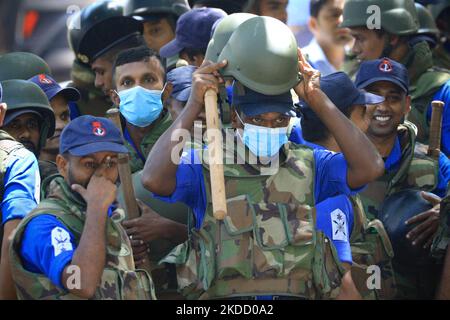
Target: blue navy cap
x,y
343,93
193,31
382,70
52,88
253,103
181,79
87,134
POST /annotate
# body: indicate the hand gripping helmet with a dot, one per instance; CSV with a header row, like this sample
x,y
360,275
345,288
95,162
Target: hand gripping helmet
x,y
262,55
26,95
99,27
398,17
22,65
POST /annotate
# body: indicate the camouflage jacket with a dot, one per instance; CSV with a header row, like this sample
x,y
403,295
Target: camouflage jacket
x,y
416,171
267,244
120,280
371,247
425,82
7,146
160,126
441,57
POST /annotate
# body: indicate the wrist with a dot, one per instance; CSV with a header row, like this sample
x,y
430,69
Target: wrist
x,y
97,208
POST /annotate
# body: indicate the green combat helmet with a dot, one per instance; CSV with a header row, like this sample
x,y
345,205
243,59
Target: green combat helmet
x,y
222,33
398,17
427,26
140,8
262,55
22,65
89,32
22,94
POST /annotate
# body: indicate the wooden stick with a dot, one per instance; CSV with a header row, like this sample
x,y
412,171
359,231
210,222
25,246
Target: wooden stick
x,y
215,155
434,145
131,206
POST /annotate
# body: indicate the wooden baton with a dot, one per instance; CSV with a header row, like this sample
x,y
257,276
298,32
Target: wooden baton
x,y
215,155
131,206
434,145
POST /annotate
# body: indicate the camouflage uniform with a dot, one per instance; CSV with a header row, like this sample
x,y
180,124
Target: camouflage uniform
x,y
425,81
371,246
441,57
417,171
148,141
267,244
120,279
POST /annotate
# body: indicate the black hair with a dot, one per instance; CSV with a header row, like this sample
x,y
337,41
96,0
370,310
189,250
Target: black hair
x,y
138,54
314,130
156,17
315,6
192,52
131,42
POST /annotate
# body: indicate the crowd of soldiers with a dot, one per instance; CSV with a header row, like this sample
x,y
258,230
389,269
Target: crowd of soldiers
x,y
335,163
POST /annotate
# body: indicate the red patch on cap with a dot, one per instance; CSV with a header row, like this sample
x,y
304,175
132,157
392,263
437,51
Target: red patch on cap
x,y
44,79
97,129
385,66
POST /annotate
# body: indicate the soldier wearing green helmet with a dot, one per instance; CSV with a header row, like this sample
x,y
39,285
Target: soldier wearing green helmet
x,y
258,251
389,28
441,14
427,27
96,34
19,194
29,119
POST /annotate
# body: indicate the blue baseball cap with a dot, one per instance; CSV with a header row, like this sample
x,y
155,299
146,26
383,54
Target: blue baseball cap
x,y
383,69
193,31
52,88
342,92
87,134
181,79
253,103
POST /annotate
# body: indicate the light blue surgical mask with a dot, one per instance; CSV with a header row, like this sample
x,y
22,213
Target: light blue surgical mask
x,y
140,106
263,141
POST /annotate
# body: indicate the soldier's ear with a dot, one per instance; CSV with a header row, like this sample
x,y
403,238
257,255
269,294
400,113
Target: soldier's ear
x,y
407,104
3,108
114,96
63,166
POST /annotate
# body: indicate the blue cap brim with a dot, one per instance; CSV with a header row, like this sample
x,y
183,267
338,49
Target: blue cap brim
x,y
252,110
170,49
71,94
367,98
368,82
95,147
